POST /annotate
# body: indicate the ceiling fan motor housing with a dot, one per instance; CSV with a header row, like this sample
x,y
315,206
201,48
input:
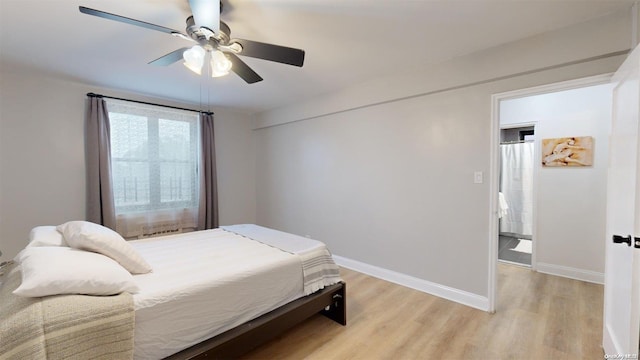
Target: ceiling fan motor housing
x,y
199,34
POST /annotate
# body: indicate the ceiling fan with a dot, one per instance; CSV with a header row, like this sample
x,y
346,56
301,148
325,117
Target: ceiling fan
x,y
214,44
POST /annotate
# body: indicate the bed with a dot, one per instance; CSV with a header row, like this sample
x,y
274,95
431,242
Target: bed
x,y
221,292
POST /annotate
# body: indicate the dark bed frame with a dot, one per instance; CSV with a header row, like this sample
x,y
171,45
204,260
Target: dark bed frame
x,y
330,301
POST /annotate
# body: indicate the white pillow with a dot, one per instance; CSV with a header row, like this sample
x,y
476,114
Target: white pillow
x,y
62,270
45,236
86,235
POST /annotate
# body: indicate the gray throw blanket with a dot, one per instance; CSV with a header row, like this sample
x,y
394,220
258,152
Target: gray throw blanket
x,y
63,326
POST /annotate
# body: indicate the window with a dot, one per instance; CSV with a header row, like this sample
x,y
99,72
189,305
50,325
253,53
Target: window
x,y
154,158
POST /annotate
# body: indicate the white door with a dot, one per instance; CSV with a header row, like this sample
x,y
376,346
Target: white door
x,y
622,271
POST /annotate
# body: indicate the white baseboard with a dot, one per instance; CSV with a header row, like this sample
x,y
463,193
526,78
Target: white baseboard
x,y
449,293
571,273
609,344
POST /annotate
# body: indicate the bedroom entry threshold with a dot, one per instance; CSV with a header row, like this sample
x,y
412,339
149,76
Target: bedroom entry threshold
x,y
514,263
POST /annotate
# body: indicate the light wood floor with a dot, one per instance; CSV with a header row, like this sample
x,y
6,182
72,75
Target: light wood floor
x,y
538,317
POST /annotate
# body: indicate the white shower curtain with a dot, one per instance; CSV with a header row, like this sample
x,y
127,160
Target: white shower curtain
x,y
516,183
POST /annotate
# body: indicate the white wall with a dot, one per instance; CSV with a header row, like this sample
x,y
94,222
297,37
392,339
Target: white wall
x,y
385,185
383,171
571,202
42,170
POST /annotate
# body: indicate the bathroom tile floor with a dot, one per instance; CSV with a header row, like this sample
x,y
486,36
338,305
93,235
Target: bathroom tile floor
x,y
514,250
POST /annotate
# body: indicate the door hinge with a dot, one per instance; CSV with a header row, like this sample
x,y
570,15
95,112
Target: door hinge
x,y
630,241
622,239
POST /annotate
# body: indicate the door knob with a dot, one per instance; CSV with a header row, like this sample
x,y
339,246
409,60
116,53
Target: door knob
x,y
622,239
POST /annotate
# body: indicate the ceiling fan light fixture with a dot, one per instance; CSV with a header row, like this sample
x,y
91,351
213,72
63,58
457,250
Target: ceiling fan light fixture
x,y
205,27
194,59
220,64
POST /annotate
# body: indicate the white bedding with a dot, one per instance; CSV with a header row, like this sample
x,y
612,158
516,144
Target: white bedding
x,y
204,283
318,267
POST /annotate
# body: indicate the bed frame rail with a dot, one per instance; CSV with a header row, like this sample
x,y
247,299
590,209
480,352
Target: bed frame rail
x,y
330,301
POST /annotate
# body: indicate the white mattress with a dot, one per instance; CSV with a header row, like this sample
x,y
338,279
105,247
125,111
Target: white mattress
x,y
204,283
285,241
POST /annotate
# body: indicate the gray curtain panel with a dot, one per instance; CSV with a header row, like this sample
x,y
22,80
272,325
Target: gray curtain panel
x,y
208,211
100,203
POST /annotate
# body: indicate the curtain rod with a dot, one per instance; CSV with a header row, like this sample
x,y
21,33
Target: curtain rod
x,y
515,142
147,103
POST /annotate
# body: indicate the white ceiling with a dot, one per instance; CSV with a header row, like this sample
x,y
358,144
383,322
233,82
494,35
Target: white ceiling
x,y
346,41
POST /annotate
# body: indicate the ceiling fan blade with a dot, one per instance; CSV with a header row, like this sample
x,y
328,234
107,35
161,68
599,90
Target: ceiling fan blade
x,y
243,70
170,58
206,13
281,54
126,20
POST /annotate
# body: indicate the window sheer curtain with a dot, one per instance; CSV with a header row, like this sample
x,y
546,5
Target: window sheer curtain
x,y
154,158
148,184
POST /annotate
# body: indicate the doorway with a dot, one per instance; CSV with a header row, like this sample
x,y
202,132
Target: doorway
x,y
515,202
568,202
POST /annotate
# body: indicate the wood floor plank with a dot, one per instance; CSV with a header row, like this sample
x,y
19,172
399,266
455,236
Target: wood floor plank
x,y
538,316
